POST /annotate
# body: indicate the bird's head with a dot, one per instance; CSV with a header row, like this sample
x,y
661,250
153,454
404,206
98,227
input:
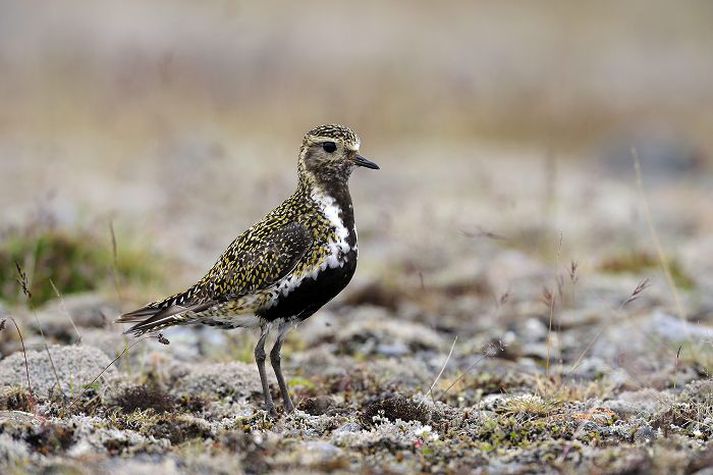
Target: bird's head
x,y
329,153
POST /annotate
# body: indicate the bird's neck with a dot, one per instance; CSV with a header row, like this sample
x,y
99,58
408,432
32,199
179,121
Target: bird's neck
x,y
335,192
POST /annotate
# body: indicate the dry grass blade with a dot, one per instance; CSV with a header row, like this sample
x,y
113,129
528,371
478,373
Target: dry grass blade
x,y
640,288
573,266
63,307
676,366
663,260
123,352
440,373
549,299
115,262
24,354
113,241
23,280
489,351
585,351
483,233
49,355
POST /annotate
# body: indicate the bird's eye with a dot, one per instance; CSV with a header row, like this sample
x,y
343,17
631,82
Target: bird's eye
x,y
329,147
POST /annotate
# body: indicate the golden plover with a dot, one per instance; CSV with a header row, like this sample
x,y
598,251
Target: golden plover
x,y
284,268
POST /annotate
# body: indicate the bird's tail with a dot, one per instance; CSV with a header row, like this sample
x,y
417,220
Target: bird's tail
x,y
175,310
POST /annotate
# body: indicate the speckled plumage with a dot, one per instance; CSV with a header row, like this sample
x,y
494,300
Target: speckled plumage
x,y
285,267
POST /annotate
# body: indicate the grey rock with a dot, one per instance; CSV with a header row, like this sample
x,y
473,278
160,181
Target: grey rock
x,y
663,157
373,330
12,452
89,310
404,372
75,366
318,453
577,317
141,466
111,342
396,349
643,403
348,427
219,380
645,435
700,392
533,330
318,405
674,329
19,417
592,368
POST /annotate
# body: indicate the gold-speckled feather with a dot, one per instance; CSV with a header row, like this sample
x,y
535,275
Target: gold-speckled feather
x,y
292,241
284,268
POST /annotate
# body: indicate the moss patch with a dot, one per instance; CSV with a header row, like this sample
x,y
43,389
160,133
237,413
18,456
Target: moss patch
x,y
145,397
394,408
637,262
76,261
16,398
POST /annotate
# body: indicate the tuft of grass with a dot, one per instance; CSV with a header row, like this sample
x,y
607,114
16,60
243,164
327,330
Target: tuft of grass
x,y
698,354
24,355
65,261
50,439
177,428
531,405
16,398
557,390
145,397
393,408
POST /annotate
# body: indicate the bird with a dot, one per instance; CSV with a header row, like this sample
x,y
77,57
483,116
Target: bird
x,y
284,268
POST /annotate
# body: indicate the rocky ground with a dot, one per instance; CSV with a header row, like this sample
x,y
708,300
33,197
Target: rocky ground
x,y
499,323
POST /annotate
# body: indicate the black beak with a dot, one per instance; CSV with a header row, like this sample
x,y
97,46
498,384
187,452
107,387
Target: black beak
x,y
363,162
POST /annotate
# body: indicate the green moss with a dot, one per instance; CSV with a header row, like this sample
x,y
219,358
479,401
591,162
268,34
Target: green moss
x,y
512,431
75,261
299,382
637,262
176,428
698,354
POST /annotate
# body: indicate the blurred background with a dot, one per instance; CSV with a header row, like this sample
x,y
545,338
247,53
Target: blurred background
x,y
508,246
179,122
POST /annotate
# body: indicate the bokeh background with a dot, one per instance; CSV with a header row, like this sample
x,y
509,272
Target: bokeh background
x,y
180,120
137,138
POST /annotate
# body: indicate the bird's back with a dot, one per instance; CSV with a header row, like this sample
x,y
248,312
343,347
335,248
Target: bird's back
x,y
289,264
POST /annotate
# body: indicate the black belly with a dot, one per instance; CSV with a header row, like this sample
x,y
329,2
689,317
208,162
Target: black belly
x,y
312,294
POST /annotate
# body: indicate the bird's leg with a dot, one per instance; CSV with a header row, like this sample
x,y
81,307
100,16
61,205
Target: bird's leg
x,y
275,360
260,360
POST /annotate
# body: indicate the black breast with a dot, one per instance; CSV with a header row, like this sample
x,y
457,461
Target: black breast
x,y
312,294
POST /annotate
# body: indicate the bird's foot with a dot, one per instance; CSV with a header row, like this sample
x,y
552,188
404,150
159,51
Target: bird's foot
x,y
271,411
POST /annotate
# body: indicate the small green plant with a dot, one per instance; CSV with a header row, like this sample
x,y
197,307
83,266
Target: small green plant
x,y
640,262
72,260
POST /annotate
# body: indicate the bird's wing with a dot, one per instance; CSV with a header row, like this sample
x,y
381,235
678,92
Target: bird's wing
x,y
257,259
